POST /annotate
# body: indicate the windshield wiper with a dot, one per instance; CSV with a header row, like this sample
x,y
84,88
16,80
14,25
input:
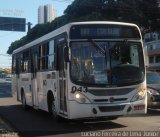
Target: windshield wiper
x,y
103,52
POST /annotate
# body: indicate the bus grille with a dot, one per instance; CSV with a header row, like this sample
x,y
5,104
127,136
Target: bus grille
x,y
111,108
107,100
110,92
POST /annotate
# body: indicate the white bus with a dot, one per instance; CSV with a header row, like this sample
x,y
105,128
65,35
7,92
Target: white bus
x,y
83,70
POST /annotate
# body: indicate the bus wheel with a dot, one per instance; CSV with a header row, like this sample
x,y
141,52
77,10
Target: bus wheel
x,y
24,101
53,110
52,107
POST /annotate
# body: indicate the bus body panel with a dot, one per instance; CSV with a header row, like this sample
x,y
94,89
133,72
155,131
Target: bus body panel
x,y
24,85
14,86
47,81
34,86
78,111
122,104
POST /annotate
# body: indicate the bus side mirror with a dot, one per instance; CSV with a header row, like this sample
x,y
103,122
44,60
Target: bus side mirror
x,y
66,54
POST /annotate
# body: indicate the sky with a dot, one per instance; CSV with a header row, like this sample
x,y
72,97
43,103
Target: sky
x,y
22,9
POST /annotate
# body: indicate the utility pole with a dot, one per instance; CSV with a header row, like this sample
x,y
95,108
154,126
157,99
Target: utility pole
x,y
29,25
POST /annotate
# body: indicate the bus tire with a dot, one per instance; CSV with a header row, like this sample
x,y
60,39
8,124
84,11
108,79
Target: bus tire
x,y
23,98
52,107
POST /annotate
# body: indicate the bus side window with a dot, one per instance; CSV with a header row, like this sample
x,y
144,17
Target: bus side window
x,y
42,57
61,64
14,64
26,58
33,60
46,56
17,65
51,55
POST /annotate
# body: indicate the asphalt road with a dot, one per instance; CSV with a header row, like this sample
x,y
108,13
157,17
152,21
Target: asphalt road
x,y
34,123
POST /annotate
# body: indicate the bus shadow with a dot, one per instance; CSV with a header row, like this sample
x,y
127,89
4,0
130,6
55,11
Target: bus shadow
x,y
77,128
64,127
39,123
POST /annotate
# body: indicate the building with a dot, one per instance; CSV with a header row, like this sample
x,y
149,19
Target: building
x,y
46,14
152,50
41,14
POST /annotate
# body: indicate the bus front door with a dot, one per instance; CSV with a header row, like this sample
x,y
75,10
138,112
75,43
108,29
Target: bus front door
x,y
62,80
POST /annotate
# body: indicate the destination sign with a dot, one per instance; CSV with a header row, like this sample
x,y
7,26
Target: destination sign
x,y
103,32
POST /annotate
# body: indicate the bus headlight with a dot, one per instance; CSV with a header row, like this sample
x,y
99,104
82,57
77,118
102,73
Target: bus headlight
x,y
80,98
139,95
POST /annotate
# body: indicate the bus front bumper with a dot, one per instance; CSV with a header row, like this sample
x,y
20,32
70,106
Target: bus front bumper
x,y
77,110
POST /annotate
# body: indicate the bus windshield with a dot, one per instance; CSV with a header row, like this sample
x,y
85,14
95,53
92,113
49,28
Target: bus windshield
x,y
121,64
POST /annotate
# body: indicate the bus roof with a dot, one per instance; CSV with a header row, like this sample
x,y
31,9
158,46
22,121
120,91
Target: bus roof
x,y
104,22
66,28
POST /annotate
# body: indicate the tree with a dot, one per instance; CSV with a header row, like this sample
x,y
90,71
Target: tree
x,y
141,12
80,8
144,13
16,44
151,14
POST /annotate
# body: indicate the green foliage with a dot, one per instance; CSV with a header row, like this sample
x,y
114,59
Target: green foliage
x,y
144,13
80,8
16,44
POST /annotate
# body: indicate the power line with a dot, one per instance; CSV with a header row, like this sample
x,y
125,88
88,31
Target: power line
x,y
6,55
64,1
